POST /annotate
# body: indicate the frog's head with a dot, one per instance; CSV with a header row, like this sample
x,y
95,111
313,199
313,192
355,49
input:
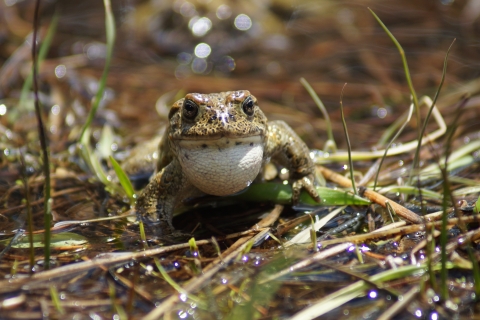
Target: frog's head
x,y
229,114
218,139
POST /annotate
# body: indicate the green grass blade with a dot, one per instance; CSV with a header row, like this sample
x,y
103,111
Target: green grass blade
x,y
443,240
410,111
91,159
410,190
116,307
42,53
404,61
29,212
330,145
409,81
349,145
427,118
56,300
110,35
93,163
124,180
47,208
260,294
173,284
447,197
389,132
476,269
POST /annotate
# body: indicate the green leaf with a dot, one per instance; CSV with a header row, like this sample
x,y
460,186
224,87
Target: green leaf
x,y
124,181
282,194
58,240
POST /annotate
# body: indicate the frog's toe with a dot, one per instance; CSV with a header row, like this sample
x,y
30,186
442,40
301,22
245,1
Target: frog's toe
x,y
307,184
176,236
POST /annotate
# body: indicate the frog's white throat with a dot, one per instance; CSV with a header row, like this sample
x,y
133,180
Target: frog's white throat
x,y
222,166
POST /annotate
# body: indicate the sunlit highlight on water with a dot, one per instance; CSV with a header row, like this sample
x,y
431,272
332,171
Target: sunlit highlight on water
x,y
243,22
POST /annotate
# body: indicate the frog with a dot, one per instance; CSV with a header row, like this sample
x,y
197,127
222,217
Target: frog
x,y
217,144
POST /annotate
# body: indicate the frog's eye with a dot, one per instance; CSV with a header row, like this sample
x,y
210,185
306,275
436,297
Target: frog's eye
x,y
190,109
248,106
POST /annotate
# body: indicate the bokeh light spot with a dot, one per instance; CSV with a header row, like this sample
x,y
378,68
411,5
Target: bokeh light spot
x,y
243,22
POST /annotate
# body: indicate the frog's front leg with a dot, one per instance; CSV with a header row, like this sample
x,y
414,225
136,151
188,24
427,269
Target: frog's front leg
x,y
286,148
160,197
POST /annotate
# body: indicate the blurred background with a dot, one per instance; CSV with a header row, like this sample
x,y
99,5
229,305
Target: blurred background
x,y
166,48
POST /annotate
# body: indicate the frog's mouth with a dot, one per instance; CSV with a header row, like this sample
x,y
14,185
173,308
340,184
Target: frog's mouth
x,y
221,166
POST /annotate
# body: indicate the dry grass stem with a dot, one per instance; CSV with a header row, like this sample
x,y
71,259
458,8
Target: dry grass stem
x,y
373,196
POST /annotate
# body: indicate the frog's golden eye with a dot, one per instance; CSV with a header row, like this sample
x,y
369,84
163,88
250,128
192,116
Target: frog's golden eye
x,y
190,109
248,106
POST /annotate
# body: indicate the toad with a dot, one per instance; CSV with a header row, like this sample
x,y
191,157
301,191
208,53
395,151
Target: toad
x,y
216,144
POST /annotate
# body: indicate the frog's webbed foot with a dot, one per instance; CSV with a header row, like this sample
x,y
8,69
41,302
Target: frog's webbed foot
x,y
306,183
161,228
